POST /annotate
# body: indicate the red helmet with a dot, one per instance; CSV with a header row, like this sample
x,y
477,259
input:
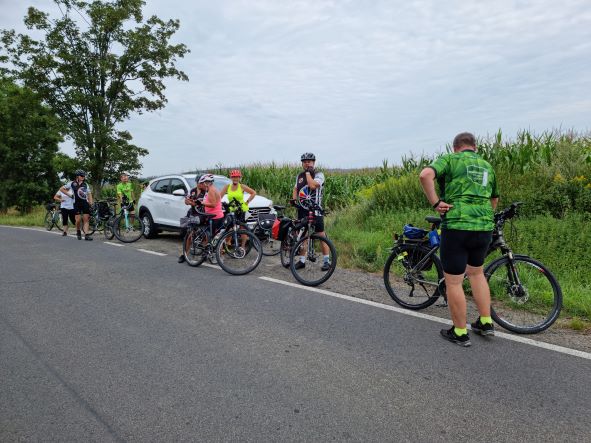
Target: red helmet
x,y
235,173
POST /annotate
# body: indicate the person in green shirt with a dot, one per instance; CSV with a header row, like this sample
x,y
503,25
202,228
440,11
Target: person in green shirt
x,y
467,200
125,194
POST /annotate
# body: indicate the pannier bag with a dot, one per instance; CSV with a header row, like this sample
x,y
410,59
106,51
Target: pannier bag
x,y
414,233
280,227
103,210
266,221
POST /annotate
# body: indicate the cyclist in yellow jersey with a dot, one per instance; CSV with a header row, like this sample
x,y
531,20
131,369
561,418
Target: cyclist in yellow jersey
x,y
236,191
125,189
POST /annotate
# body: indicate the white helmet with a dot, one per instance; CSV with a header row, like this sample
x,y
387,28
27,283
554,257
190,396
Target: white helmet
x,y
206,178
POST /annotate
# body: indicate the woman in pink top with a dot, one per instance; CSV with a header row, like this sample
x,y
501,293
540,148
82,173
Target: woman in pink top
x,y
212,201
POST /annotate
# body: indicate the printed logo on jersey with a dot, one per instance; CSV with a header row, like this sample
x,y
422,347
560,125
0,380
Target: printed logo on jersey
x,y
83,193
478,175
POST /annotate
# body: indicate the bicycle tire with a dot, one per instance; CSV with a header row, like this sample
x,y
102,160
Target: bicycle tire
x,y
130,232
513,306
57,220
285,249
400,276
236,259
193,249
48,222
314,261
270,246
108,231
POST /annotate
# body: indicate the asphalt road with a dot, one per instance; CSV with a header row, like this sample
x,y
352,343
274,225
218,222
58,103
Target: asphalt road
x,y
99,343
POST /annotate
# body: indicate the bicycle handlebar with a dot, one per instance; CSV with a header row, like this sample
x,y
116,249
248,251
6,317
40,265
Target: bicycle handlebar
x,y
507,213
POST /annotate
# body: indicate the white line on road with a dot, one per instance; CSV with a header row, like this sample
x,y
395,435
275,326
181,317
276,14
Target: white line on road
x,y
161,254
114,244
516,338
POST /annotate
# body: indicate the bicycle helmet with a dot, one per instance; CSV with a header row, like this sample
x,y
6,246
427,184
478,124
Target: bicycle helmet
x,y
235,173
80,173
206,178
410,231
197,178
308,156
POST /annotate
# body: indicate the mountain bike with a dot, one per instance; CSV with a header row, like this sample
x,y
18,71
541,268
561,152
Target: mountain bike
x,y
238,251
53,216
525,296
301,241
233,247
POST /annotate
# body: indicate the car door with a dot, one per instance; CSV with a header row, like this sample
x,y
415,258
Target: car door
x,y
177,207
160,201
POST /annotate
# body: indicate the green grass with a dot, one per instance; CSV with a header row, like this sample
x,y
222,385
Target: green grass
x,y
12,217
363,240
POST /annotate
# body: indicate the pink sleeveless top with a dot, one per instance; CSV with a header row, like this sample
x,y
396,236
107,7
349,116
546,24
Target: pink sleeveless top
x,y
217,211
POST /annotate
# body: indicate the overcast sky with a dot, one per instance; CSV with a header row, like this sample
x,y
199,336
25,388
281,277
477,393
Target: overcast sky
x,y
358,81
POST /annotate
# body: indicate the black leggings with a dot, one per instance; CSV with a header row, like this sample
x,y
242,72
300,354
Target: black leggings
x,y
461,248
68,214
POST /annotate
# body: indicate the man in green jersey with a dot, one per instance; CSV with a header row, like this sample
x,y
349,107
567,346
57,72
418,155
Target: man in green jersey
x,y
125,194
468,197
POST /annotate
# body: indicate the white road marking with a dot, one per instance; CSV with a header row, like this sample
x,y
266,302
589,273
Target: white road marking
x,y
209,265
114,244
515,338
161,254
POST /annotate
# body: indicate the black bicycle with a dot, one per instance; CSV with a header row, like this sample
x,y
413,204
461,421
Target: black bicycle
x,y
102,216
234,247
525,296
312,258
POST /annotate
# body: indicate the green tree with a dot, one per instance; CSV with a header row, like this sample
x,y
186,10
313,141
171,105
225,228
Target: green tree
x,y
98,64
29,139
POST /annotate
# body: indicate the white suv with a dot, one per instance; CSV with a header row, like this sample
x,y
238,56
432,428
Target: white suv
x,y
162,204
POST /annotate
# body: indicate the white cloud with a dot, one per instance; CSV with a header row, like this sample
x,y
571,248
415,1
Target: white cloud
x,y
358,82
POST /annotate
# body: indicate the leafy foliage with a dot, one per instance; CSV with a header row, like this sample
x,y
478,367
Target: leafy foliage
x,y
29,138
95,73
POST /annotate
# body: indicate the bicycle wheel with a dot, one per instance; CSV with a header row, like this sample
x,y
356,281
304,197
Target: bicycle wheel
x,y
270,245
108,231
315,269
525,296
285,248
48,220
194,247
128,229
57,220
410,282
238,252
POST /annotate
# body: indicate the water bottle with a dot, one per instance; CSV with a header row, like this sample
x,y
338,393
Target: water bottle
x,y
433,238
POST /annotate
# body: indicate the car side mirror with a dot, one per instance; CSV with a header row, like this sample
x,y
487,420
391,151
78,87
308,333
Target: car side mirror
x,y
179,192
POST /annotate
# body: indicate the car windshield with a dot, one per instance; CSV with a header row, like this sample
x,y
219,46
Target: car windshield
x,y
219,182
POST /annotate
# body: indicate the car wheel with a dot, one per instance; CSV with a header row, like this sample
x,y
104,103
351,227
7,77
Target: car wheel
x,y
149,226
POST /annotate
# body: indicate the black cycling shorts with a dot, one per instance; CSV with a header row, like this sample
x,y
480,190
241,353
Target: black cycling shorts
x,y
461,248
216,224
82,208
319,219
68,214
